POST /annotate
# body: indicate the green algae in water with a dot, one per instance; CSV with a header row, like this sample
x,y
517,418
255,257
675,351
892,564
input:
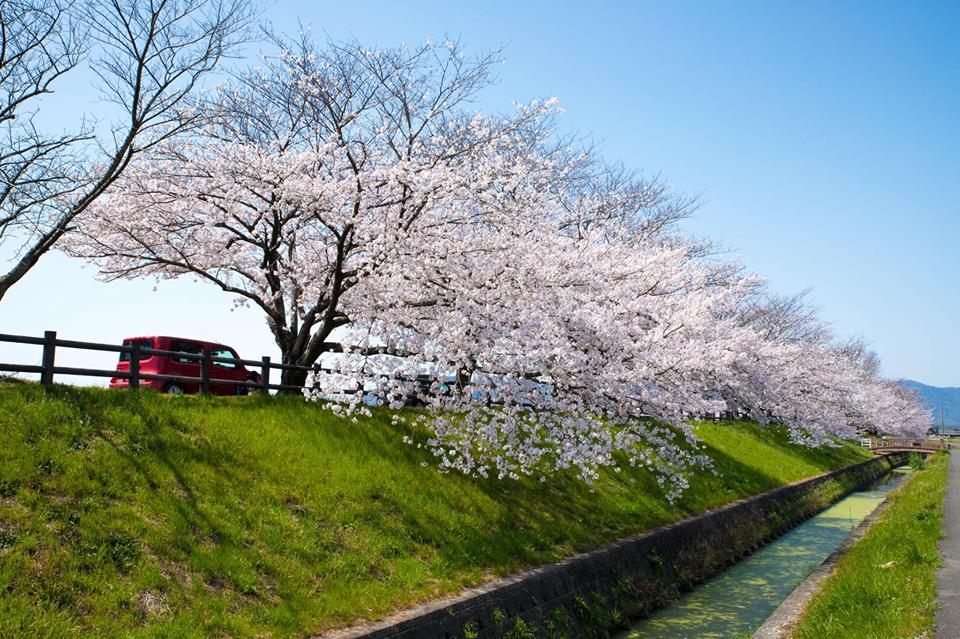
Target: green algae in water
x,y
737,601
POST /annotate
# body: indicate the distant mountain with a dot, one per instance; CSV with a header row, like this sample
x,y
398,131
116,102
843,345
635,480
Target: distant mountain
x,y
936,397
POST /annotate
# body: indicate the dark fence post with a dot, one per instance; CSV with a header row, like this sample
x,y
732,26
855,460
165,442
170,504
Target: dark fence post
x,y
49,354
134,365
205,371
265,374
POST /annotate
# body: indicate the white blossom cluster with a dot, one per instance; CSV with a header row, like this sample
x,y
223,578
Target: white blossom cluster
x,y
559,319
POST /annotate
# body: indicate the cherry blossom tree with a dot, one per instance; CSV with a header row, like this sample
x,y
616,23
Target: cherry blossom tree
x,y
562,318
795,373
556,353
324,166
553,351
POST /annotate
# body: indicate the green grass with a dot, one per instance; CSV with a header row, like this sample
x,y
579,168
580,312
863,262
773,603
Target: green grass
x,y
142,515
864,599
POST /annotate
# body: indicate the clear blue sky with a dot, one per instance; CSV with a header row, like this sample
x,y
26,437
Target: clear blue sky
x,y
822,138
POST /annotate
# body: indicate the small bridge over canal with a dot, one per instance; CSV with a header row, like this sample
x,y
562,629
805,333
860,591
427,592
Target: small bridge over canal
x,y
884,445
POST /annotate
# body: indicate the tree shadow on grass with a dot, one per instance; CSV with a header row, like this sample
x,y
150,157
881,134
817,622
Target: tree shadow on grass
x,y
459,525
159,450
536,523
824,457
528,522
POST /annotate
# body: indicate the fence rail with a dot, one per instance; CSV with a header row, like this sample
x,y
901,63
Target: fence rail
x,y
48,368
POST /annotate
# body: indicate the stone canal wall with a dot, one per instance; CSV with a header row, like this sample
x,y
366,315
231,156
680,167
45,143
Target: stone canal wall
x,y
591,594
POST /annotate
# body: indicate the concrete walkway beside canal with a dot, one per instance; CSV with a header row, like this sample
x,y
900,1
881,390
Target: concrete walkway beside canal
x,y
948,578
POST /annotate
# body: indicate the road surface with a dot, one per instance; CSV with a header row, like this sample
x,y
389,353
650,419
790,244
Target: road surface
x,y
948,578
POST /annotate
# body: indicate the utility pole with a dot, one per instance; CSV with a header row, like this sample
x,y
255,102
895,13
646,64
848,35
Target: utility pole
x,y
941,418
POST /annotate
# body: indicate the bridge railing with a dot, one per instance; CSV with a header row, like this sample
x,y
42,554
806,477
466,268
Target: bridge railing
x,y
886,443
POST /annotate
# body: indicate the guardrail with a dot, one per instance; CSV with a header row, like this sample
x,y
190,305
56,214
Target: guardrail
x,y
48,368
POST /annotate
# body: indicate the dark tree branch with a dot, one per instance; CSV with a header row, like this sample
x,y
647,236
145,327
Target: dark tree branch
x,y
149,57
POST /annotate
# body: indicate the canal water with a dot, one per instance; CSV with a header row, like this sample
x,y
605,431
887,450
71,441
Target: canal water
x,y
736,602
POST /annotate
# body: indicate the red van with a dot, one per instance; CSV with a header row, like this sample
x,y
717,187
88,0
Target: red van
x,y
223,375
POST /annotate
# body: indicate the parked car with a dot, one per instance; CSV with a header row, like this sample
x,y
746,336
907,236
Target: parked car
x,y
223,375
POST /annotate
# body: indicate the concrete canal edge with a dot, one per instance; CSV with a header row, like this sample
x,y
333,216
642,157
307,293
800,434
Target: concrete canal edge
x,y
781,623
591,594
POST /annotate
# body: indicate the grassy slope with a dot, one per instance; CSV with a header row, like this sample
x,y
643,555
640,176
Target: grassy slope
x,y
153,516
861,599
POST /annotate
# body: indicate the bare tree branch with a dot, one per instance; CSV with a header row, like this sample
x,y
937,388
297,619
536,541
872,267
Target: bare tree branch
x,y
149,58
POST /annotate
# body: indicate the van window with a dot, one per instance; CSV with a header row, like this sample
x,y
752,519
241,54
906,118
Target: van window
x,y
144,343
186,347
224,352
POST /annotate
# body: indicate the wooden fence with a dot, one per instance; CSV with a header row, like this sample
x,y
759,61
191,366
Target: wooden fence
x,y
48,368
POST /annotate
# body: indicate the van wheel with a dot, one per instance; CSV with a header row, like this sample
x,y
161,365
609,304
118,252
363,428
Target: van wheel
x,y
240,390
173,389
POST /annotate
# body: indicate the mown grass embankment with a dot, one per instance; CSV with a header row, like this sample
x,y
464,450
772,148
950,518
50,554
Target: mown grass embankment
x,y
885,586
141,515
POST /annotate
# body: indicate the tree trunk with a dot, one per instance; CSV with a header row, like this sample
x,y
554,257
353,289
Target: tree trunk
x,y
305,347
294,377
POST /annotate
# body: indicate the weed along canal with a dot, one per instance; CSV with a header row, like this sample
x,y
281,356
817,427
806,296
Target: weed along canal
x,y
736,602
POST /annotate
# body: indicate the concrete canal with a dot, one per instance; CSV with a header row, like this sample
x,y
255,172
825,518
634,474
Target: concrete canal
x,y
736,602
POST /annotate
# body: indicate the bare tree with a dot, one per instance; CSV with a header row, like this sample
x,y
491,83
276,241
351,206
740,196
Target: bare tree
x,y
149,56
